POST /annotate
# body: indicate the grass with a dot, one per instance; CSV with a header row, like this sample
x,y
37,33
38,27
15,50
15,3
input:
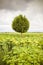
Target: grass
x,y
14,36
27,50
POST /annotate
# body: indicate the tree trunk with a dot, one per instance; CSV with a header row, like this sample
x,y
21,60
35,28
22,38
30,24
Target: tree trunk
x,y
21,34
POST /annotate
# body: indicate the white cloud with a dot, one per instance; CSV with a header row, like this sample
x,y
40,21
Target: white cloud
x,y
5,28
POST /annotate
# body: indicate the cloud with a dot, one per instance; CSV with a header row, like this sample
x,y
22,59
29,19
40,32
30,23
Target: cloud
x,y
32,9
35,19
5,28
13,4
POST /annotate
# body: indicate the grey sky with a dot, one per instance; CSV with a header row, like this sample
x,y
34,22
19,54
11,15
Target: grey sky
x,y
33,9
14,4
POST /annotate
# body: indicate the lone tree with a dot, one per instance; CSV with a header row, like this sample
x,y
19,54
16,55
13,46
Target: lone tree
x,y
20,24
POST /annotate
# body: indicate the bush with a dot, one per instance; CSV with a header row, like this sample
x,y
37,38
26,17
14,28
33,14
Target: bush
x,y
21,53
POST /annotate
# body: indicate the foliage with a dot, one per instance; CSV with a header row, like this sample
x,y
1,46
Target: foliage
x,y
21,51
20,24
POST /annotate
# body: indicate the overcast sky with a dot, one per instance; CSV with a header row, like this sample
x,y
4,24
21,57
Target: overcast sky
x,y
32,9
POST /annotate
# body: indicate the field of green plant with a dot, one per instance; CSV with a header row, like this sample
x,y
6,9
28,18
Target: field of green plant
x,y
17,50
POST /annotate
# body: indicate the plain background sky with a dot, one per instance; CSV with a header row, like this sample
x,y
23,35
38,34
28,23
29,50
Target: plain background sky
x,y
32,9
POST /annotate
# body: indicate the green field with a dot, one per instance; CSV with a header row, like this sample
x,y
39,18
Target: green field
x,y
17,50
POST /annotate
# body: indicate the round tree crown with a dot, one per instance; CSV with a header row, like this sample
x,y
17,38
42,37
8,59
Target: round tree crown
x,y
20,24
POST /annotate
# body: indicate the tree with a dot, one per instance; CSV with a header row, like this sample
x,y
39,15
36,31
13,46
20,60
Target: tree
x,y
20,24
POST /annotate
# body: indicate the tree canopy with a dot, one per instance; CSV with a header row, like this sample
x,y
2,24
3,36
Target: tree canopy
x,y
20,24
